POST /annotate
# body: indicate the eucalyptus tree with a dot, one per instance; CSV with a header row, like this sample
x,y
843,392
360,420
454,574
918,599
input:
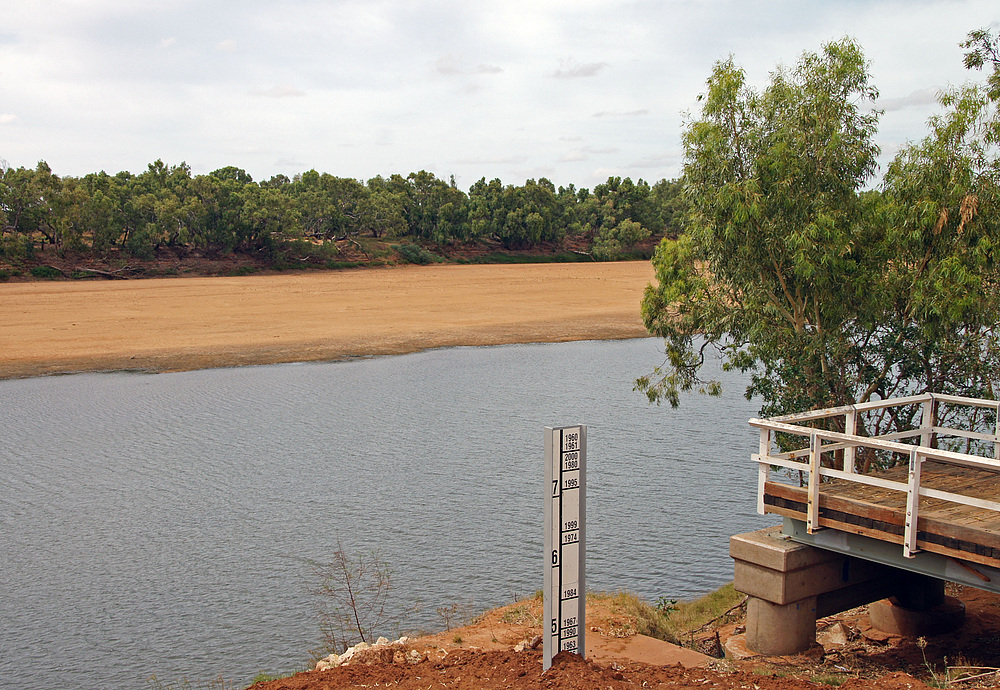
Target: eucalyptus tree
x,y
825,293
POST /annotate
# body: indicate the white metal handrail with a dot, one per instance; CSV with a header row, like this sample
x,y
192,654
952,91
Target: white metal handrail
x,y
822,441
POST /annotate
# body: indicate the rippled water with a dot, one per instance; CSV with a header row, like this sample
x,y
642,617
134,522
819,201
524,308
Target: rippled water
x,y
165,523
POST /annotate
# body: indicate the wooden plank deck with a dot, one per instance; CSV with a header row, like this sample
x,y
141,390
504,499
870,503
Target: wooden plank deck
x,y
950,529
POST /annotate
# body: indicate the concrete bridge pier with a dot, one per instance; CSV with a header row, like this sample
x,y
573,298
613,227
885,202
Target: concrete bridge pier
x,y
791,585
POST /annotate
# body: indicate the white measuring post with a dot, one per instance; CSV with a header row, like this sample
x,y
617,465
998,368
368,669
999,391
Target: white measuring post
x,y
565,523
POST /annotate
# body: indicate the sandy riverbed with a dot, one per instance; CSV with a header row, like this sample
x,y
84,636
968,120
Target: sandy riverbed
x,y
193,323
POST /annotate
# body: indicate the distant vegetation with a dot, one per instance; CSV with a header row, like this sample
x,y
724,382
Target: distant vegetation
x,y
107,223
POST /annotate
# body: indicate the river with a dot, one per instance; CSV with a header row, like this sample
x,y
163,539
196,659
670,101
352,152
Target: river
x,y
167,524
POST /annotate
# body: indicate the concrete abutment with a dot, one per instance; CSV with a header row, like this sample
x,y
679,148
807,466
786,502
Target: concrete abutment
x,y
791,585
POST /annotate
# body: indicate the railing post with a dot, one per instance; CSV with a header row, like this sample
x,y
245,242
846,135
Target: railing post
x,y
763,467
851,428
812,505
928,420
912,506
996,435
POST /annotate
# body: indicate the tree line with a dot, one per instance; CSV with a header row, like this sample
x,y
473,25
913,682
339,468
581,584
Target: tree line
x,y
227,211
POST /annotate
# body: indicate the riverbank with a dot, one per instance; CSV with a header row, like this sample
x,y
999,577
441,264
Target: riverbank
x,y
495,652
174,324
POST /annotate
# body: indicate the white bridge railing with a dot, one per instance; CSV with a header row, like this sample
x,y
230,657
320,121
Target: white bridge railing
x,y
846,445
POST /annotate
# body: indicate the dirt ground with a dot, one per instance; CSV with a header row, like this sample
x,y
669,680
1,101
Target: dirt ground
x,y
852,656
167,324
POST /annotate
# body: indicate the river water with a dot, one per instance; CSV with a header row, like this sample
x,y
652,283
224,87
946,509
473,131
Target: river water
x,y
167,524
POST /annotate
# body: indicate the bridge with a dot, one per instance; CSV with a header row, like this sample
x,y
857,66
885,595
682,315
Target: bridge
x,y
882,502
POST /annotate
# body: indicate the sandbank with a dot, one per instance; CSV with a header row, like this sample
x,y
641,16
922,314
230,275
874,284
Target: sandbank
x,y
174,324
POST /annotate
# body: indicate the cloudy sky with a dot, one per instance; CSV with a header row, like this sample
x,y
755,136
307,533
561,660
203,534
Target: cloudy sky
x,y
572,90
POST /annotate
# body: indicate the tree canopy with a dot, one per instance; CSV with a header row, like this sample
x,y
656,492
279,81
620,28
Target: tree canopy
x,y
227,211
824,291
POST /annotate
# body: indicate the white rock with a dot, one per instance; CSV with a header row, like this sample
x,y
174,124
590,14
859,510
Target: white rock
x,y
381,642
403,639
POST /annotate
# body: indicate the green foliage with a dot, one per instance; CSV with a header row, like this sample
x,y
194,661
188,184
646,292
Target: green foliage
x,y
47,272
720,605
166,207
613,243
984,49
649,620
548,258
825,293
265,677
520,614
415,254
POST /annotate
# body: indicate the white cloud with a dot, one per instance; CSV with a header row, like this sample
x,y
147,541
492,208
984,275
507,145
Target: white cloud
x,y
570,69
918,98
226,46
7,118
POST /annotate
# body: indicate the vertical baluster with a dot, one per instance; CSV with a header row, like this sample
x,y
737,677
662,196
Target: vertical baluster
x,y
763,467
850,428
996,434
928,420
812,507
912,506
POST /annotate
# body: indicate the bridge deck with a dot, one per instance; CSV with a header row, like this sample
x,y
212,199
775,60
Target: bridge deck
x,y
951,529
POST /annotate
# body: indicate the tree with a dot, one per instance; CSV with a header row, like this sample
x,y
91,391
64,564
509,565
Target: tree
x,y
613,243
767,271
824,293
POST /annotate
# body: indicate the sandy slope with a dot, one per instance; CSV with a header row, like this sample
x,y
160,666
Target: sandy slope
x,y
191,323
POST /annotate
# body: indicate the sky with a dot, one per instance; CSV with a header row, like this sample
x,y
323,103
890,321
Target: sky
x,y
572,90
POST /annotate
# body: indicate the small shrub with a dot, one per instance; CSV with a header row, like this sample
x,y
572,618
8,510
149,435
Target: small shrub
x,y
265,677
354,592
47,272
648,619
520,615
690,615
243,271
829,679
415,254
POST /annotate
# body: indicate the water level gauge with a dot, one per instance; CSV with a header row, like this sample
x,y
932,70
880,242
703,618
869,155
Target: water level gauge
x,y
565,586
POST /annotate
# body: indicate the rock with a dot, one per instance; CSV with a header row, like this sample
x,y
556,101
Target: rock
x,y
536,641
398,657
521,646
834,636
415,657
381,642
